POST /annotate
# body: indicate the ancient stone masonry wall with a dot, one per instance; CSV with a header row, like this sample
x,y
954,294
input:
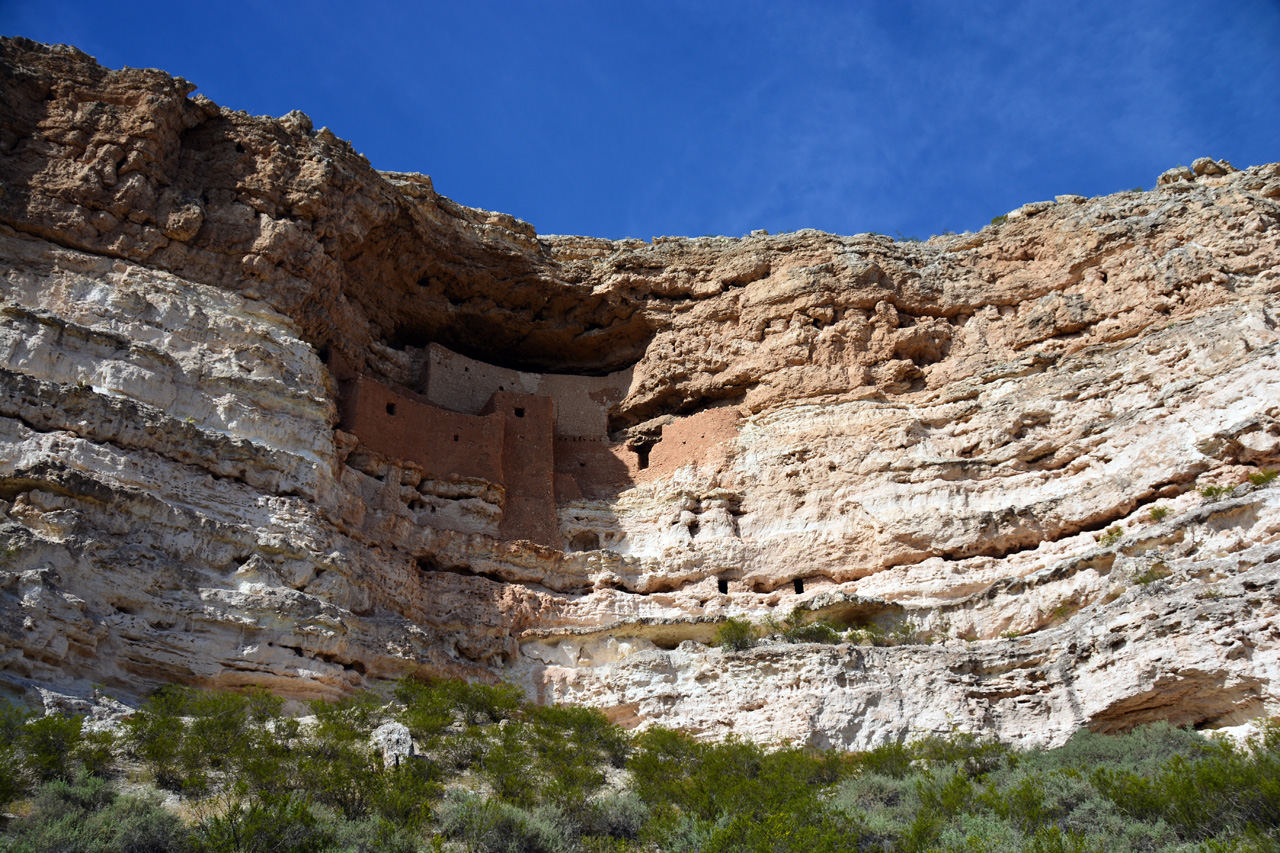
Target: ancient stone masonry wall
x,y
541,447
444,444
702,437
528,471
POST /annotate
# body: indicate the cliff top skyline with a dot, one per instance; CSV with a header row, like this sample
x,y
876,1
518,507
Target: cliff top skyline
x,y
908,119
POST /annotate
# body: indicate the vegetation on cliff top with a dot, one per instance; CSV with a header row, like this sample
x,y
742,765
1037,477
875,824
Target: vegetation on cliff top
x,y
494,773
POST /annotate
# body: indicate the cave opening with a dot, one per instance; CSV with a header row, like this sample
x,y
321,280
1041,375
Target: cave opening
x,y
798,586
723,585
584,540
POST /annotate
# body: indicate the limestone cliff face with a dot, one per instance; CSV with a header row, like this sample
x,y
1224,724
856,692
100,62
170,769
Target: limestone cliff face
x,y
931,437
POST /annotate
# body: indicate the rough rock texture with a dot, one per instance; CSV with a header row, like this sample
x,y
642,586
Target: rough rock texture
x,y
932,436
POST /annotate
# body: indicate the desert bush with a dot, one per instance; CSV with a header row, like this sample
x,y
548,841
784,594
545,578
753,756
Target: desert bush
x,y
794,629
1214,493
708,781
1225,790
193,741
274,787
736,635
785,832
155,735
88,816
973,755
1264,477
900,633
891,759
431,706
96,751
1159,513
461,750
588,729
619,816
492,826
341,774
283,824
1140,751
1110,536
368,835
48,745
1158,571
556,754
349,719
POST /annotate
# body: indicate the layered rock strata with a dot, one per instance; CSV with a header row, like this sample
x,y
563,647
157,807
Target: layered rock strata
x,y
992,440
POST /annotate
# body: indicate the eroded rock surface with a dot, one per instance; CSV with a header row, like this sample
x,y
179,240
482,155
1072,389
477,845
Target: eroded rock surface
x,y
936,436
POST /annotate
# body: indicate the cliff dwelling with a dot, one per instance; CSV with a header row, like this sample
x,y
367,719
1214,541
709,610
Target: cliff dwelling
x,y
543,438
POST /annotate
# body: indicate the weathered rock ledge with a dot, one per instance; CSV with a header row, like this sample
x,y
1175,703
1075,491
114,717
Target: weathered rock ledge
x,y
931,434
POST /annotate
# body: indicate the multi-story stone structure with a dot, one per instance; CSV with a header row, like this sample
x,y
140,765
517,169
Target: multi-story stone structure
x,y
542,437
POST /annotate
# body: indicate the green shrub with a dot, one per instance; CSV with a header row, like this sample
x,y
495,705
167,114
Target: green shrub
x,y
349,719
428,710
1159,571
48,745
432,705
368,835
492,826
155,735
900,633
263,825
1159,513
619,816
191,740
785,832
12,784
1111,536
1215,493
97,751
973,755
1264,477
709,781
587,729
891,759
736,635
341,774
1001,219
795,629
1225,790
88,816
1140,751
555,755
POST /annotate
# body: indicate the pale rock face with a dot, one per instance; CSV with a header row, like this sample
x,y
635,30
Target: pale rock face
x,y
930,437
393,742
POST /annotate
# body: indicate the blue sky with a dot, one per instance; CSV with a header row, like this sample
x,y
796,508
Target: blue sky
x,y
641,119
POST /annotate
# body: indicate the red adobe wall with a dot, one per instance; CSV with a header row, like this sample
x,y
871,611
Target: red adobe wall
x,y
591,468
696,439
529,511
444,444
523,441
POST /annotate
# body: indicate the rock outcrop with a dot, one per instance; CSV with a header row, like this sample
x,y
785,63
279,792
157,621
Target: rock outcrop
x,y
996,441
